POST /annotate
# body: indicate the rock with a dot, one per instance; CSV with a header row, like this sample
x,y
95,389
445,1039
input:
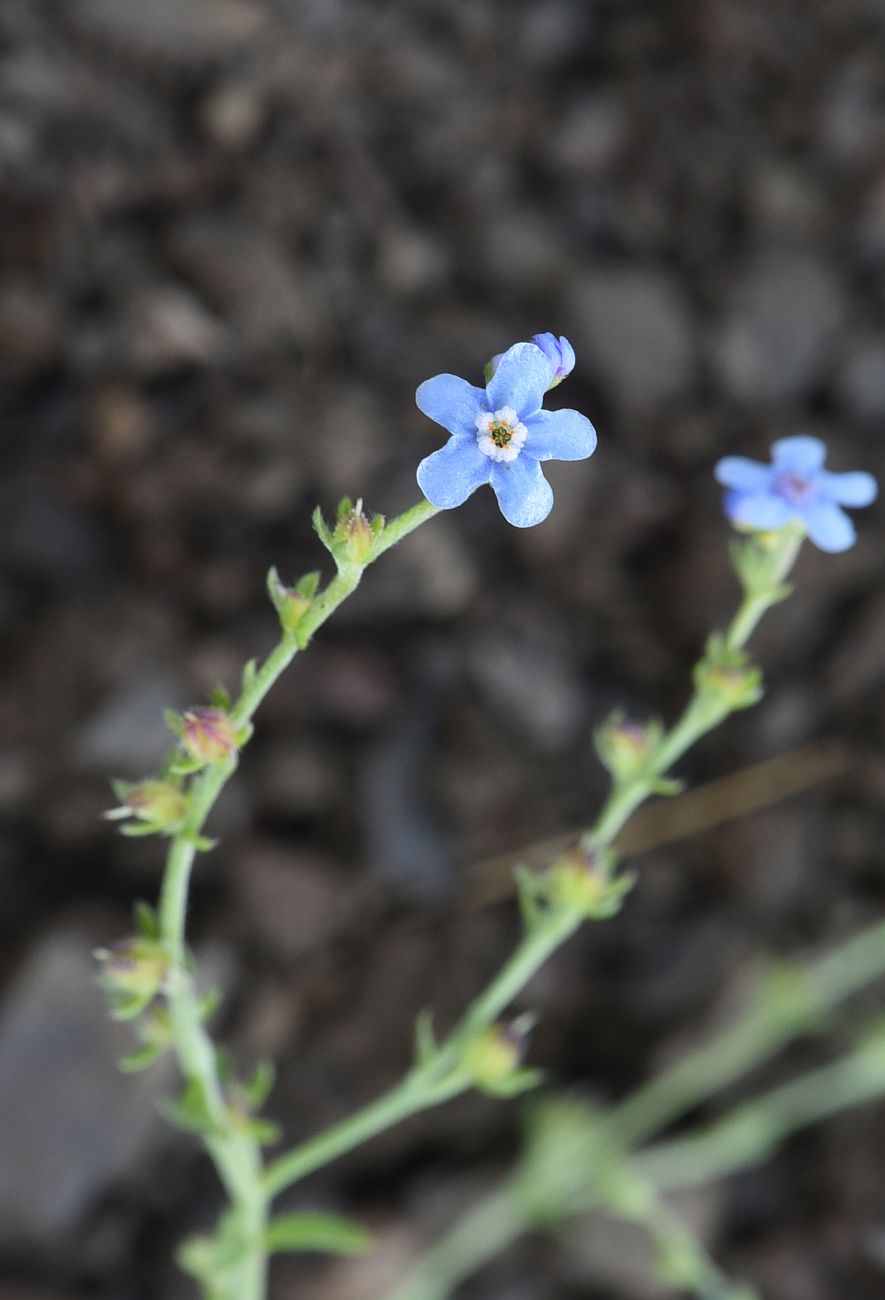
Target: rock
x,y
48,540
860,378
295,901
529,675
126,735
181,31
635,327
784,313
168,328
75,1122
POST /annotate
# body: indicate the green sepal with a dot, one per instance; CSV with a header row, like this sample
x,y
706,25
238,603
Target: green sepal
x,y
257,1089
220,698
173,721
343,509
141,1059
123,1007
666,786
147,923
322,529
532,895
263,1131
182,766
202,843
426,1047
189,1112
209,1004
328,1233
138,830
309,584
276,589
514,1084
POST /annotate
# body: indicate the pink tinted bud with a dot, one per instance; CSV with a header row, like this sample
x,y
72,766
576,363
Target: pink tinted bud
x,y
208,734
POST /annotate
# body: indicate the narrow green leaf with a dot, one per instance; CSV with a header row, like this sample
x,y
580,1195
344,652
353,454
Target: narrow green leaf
x,y
324,1232
146,922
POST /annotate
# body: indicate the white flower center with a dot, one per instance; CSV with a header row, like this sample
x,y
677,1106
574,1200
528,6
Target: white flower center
x,y
500,434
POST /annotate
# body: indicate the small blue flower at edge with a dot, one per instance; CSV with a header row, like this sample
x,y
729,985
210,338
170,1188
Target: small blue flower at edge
x,y
795,487
558,351
499,435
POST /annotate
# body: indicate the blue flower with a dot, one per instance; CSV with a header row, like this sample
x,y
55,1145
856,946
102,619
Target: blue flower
x,y
500,435
795,488
559,352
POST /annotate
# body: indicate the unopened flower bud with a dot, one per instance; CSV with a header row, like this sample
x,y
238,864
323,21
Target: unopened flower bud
x,y
494,1055
559,352
159,803
134,972
208,734
579,879
624,747
354,535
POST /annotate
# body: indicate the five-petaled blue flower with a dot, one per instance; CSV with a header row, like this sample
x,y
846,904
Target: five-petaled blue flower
x,y
795,488
500,435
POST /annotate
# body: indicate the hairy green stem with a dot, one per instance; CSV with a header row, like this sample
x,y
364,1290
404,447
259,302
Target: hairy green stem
x,y
235,1153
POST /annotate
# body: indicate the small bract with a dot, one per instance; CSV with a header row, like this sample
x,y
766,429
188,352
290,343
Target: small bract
x,y
795,488
499,435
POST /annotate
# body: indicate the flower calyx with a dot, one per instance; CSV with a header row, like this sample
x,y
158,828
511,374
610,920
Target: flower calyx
x,y
157,807
352,539
725,679
584,880
493,1058
292,603
134,971
627,749
208,735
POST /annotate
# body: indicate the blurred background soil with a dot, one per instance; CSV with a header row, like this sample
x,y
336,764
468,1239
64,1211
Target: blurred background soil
x,y
235,235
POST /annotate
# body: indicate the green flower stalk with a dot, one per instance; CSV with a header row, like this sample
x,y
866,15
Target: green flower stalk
x,y
499,435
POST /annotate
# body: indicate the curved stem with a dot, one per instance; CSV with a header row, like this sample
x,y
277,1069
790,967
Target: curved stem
x,y
234,1151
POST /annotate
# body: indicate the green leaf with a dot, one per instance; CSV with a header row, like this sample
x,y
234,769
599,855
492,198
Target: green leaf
x,y
276,589
425,1040
189,1112
140,1060
257,1089
345,508
221,698
322,529
308,585
250,672
146,922
324,1232
209,1003
173,721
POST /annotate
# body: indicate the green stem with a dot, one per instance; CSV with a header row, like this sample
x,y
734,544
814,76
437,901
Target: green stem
x,y
541,939
234,1152
438,1081
490,1228
752,1131
807,997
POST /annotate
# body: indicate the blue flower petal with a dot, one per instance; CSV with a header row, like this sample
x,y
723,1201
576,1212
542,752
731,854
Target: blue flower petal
x,y
742,474
559,435
828,526
854,489
449,475
523,493
451,402
800,454
523,376
758,510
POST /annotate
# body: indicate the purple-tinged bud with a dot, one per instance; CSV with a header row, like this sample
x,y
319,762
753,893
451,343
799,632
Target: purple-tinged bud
x,y
579,880
208,734
725,677
159,803
134,971
625,747
559,352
